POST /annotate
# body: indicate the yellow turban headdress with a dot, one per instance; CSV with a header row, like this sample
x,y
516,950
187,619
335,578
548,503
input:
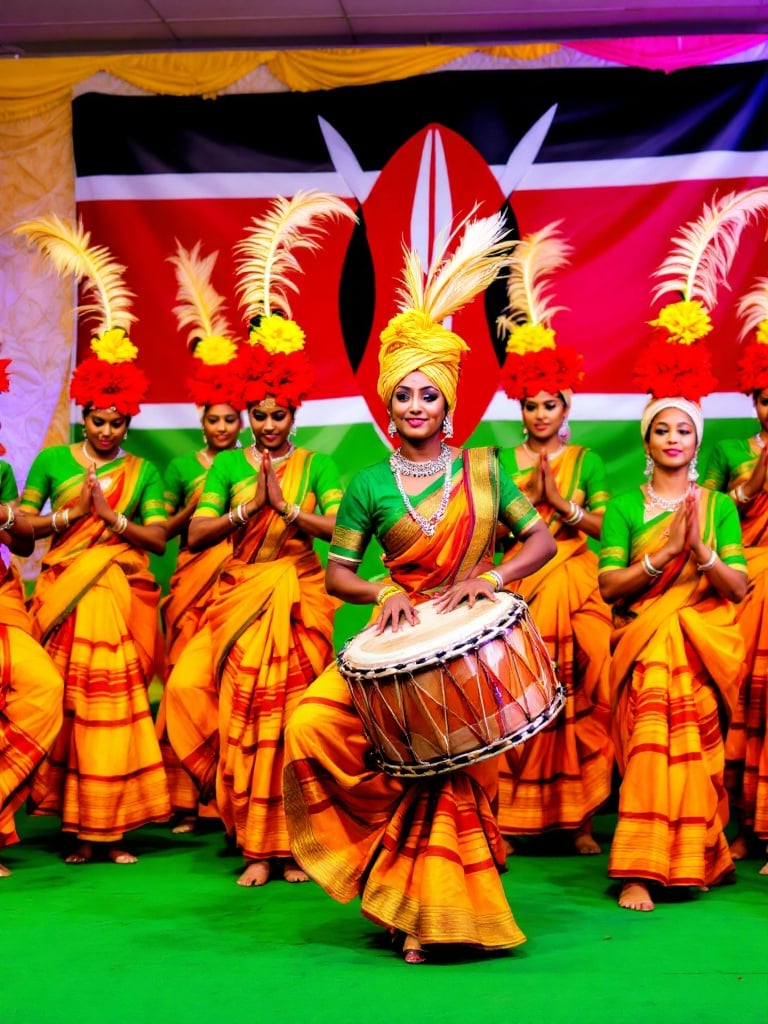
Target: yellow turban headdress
x,y
415,338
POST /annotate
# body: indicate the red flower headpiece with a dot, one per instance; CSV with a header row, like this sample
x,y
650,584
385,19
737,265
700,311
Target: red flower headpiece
x,y
665,368
753,361
107,379
285,377
679,363
5,385
275,366
549,369
200,307
534,362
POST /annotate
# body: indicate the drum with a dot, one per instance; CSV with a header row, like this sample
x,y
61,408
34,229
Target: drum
x,y
456,688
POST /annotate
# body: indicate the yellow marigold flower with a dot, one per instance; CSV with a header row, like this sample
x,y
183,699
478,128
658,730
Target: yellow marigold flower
x,y
277,334
761,335
214,350
529,338
114,346
686,321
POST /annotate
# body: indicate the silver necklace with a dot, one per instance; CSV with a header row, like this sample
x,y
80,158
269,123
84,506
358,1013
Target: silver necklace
x,y
400,464
276,459
428,526
667,504
206,457
93,458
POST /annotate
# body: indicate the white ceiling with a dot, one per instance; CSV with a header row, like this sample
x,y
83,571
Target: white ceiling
x,y
68,27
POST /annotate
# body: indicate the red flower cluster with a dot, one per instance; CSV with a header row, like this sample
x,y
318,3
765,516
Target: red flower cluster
x,y
667,368
285,377
215,385
548,369
104,385
753,367
5,380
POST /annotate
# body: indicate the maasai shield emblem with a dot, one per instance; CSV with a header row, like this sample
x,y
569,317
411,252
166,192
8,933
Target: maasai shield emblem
x,y
434,180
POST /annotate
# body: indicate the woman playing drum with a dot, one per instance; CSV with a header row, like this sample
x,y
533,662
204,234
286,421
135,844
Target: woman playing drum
x,y
424,856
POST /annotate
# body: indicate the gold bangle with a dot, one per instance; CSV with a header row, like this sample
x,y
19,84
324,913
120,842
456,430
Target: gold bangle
x,y
491,576
387,591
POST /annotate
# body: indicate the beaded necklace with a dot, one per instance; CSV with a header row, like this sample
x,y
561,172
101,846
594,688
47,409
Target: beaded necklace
x,y
400,464
428,526
666,504
276,459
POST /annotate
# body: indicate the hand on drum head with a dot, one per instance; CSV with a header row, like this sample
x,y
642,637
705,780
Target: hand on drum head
x,y
395,612
470,589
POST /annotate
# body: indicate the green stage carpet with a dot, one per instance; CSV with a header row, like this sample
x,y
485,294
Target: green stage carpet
x,y
173,940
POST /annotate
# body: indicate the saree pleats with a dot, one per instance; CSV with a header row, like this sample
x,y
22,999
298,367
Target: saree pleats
x,y
561,776
669,718
194,700
746,746
97,616
31,691
424,857
271,626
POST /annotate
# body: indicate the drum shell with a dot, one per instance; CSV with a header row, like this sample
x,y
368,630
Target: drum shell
x,y
460,706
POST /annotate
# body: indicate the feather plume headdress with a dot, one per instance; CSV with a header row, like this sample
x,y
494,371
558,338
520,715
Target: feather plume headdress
x,y
273,367
200,308
677,362
753,361
534,362
416,338
108,379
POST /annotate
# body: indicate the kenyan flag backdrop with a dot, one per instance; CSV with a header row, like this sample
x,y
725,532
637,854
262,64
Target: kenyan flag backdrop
x,y
621,157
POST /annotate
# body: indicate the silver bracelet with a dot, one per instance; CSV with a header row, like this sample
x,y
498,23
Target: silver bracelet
x,y
704,566
120,524
577,514
10,520
649,567
293,514
240,513
54,525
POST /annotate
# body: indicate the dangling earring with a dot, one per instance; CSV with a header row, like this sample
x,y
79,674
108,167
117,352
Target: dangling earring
x,y
292,431
525,433
648,471
391,428
448,426
693,473
564,431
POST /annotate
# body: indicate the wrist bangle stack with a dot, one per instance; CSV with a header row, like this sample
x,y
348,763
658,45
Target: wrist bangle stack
x,y
237,515
493,577
387,591
577,514
650,568
289,512
705,566
10,520
120,524
57,525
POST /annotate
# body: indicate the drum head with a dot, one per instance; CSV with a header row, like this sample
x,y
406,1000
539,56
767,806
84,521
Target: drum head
x,y
433,637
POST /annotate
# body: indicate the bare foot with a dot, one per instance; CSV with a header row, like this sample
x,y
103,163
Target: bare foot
x,y
739,847
185,824
635,896
509,848
4,871
292,872
256,873
81,855
118,856
585,843
412,951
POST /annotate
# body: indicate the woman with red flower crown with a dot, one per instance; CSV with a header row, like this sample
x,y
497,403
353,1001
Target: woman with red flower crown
x,y
740,467
557,780
187,718
31,687
673,568
95,602
270,617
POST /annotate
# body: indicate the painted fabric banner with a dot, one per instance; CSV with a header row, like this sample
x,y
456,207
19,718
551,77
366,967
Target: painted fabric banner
x,y
620,156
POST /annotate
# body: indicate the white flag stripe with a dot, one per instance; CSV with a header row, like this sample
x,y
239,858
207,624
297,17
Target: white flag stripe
x,y
576,174
335,412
